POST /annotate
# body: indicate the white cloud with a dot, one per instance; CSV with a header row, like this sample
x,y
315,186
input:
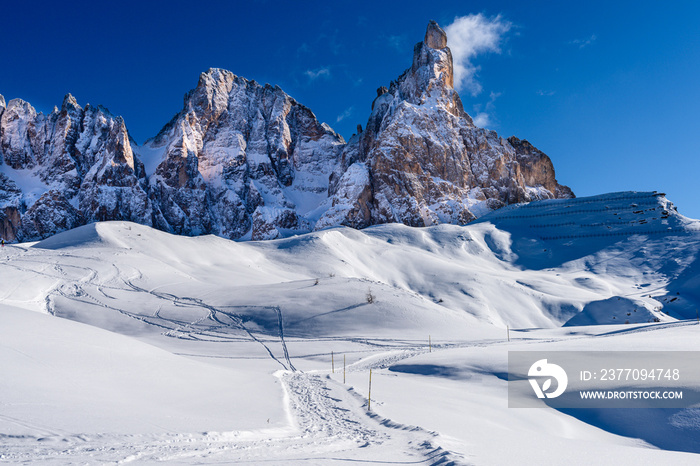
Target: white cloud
x,y
348,112
315,74
482,120
584,42
469,36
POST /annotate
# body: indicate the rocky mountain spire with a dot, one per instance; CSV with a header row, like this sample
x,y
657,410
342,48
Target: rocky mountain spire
x,y
431,76
435,37
421,160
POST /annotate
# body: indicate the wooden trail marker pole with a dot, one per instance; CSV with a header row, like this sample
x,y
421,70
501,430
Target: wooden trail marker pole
x,y
369,395
343,368
430,344
508,331
332,363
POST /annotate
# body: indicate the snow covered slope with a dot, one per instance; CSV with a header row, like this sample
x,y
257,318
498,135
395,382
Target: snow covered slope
x,y
636,237
119,342
63,372
532,265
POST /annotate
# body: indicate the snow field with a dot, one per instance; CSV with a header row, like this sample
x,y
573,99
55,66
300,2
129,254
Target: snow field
x,y
206,350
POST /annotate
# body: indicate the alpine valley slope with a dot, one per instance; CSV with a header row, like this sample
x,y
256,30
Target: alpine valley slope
x,y
246,161
130,341
220,351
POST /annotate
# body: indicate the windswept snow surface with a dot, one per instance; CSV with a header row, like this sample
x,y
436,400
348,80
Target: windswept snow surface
x,y
121,343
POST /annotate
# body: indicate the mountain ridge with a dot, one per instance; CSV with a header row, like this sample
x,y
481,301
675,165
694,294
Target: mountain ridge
x,y
246,161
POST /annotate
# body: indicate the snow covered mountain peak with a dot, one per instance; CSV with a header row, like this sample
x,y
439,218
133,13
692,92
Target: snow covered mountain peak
x,y
244,160
69,103
61,170
431,76
241,160
421,161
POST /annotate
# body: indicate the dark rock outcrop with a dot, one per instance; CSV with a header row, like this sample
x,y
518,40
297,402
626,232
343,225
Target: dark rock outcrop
x,y
51,213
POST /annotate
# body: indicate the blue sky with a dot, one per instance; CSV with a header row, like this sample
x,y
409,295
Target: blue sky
x,y
609,90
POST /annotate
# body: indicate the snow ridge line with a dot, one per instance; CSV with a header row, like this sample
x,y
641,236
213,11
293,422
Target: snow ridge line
x,y
649,328
644,197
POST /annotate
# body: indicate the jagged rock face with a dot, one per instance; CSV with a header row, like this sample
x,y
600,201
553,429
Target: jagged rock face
x,y
10,199
114,186
537,168
271,222
9,223
18,134
246,161
43,142
2,110
435,37
241,160
179,191
82,154
51,213
421,160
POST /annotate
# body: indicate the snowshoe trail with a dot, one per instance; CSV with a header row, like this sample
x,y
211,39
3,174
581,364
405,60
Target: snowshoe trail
x,y
328,423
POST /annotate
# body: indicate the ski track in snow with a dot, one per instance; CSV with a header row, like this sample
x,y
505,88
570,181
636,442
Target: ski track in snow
x,y
329,423
282,341
327,419
189,329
